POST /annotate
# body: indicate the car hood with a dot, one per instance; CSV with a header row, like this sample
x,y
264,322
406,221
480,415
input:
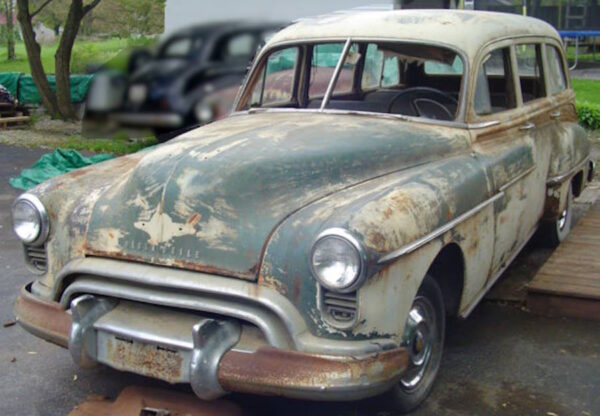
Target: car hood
x,y
210,199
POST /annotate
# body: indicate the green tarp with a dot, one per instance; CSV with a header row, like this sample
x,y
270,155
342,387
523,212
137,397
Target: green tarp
x,y
23,88
54,164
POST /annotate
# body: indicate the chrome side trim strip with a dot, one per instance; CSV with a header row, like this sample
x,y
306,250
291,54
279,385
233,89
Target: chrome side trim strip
x,y
409,248
336,74
482,125
496,276
517,178
554,180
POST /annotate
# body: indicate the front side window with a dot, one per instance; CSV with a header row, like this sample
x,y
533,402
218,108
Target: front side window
x,y
375,77
556,73
275,82
529,59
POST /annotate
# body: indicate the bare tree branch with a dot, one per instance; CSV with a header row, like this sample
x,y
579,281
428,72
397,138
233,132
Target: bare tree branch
x,y
44,4
89,7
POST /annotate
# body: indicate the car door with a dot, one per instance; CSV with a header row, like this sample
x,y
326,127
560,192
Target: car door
x,y
507,139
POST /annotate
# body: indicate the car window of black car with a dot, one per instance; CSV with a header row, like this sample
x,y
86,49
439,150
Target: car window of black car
x,y
236,47
181,47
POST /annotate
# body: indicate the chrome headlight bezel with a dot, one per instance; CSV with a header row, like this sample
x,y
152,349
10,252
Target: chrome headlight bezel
x,y
42,214
360,252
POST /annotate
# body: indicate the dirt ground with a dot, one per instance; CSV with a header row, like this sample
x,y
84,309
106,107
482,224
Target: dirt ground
x,y
502,360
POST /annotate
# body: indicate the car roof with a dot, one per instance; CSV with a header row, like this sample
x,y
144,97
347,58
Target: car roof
x,y
223,26
464,30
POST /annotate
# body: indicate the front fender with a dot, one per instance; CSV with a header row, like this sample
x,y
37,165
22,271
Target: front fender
x,y
385,214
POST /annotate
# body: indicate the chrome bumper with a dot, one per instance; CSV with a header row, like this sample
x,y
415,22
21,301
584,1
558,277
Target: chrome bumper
x,y
165,120
213,355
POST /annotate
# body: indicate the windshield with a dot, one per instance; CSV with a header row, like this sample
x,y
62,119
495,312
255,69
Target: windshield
x,y
389,77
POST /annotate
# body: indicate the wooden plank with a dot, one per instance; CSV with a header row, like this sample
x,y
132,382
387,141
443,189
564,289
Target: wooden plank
x,y
575,280
563,306
585,271
587,292
11,120
568,284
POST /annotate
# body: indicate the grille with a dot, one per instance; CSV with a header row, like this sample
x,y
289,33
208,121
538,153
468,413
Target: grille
x,y
341,308
36,258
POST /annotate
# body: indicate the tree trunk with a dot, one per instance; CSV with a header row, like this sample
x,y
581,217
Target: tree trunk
x,y
62,58
10,27
35,61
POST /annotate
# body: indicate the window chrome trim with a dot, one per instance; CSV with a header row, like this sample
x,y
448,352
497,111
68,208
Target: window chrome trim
x,y
42,213
409,248
336,74
554,180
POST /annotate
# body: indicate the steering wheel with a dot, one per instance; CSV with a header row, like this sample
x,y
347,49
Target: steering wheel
x,y
423,102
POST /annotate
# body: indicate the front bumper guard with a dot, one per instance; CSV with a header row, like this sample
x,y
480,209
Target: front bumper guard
x,y
212,364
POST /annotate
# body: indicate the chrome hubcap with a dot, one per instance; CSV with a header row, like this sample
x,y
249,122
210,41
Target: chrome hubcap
x,y
562,220
418,339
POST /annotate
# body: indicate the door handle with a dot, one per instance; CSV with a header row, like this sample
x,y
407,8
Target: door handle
x,y
527,126
555,114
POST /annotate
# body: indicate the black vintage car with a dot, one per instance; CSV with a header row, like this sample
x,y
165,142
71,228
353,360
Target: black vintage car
x,y
190,80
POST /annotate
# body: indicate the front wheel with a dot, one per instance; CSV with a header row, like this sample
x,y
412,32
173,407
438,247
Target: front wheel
x,y
423,338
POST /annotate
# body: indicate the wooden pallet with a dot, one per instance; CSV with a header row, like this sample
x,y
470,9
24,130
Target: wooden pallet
x,y
569,282
6,121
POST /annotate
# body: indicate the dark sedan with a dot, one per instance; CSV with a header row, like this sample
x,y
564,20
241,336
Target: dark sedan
x,y
191,80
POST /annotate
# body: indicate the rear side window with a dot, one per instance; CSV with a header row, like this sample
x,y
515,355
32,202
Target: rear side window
x,y
531,77
495,90
556,73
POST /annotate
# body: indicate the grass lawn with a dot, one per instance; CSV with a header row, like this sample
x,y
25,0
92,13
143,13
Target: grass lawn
x,y
85,53
583,57
587,90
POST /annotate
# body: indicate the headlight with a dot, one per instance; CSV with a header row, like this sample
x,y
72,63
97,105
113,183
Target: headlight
x,y
204,112
30,221
338,260
137,93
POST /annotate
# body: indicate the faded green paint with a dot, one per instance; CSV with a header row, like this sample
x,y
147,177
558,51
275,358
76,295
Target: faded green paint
x,y
210,202
385,214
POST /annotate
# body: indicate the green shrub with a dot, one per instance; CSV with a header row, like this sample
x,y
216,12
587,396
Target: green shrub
x,y
588,115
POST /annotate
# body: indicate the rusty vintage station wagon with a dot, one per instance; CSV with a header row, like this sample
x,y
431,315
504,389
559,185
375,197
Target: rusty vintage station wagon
x,y
379,172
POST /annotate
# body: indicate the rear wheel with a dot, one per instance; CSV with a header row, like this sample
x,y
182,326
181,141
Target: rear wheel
x,y
555,232
424,340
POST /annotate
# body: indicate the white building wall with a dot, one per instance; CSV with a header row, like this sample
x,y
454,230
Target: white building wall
x,y
181,13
